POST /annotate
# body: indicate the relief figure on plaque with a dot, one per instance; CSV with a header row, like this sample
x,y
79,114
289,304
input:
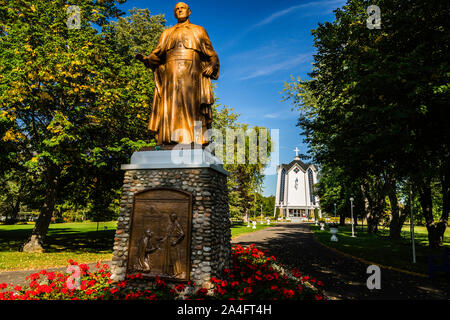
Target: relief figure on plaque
x,y
172,253
145,249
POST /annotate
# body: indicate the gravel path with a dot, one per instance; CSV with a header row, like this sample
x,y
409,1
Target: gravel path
x,y
345,278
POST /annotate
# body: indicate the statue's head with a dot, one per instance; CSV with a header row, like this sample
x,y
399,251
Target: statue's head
x,y
173,217
182,11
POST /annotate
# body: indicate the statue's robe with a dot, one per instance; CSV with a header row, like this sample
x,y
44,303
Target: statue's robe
x,y
172,254
183,94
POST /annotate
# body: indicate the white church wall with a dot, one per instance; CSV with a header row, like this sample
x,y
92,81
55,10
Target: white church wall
x,y
297,196
308,196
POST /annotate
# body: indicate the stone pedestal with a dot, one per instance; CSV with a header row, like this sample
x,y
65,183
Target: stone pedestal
x,y
197,176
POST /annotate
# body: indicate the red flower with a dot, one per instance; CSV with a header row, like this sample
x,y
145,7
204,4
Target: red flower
x,y
319,297
159,282
51,275
268,277
180,287
248,290
90,291
202,291
288,293
73,262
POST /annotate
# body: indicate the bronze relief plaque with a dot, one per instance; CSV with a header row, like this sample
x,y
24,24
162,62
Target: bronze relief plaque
x,y
161,234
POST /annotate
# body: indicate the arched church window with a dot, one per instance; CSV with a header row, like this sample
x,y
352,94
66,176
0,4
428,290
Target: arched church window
x,y
282,184
311,183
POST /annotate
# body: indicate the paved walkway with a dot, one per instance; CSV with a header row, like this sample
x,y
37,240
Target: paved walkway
x,y
345,278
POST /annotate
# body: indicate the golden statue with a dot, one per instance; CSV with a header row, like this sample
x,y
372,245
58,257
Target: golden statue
x,y
183,63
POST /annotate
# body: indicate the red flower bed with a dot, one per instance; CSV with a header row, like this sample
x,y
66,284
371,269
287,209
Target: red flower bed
x,y
253,275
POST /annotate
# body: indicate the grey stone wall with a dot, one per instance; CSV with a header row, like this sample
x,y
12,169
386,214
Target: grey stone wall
x,y
210,236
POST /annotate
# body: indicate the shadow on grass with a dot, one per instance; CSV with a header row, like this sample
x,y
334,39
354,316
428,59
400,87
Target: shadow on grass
x,y
61,240
385,251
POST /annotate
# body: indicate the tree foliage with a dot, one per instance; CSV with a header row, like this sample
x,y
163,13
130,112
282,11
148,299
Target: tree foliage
x,y
73,106
374,108
246,177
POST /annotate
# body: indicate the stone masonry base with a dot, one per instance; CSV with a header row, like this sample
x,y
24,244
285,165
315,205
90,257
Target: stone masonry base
x,y
210,235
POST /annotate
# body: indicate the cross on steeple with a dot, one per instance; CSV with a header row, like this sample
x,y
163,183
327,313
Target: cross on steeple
x,y
296,152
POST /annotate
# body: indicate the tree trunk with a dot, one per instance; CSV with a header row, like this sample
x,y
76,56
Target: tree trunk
x,y
245,217
342,219
12,219
398,216
375,204
36,240
445,200
365,214
435,229
355,218
372,223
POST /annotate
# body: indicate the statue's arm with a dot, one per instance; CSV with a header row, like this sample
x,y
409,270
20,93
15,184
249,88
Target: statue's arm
x,y
154,59
212,68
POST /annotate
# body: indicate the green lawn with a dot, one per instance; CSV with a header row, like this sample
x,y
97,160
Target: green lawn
x,y
241,228
380,249
78,241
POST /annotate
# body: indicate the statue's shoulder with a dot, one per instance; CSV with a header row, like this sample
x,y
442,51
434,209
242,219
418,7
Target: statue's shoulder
x,y
197,28
168,31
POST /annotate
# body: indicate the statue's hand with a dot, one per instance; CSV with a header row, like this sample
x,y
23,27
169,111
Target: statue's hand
x,y
208,71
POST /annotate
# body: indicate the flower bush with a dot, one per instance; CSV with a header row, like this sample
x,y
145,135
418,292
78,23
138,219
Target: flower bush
x,y
253,275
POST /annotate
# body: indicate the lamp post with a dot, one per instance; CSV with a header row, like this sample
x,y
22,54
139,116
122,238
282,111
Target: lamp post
x,y
261,215
335,209
351,210
412,226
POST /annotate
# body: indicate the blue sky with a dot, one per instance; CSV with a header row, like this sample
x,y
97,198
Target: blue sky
x,y
260,45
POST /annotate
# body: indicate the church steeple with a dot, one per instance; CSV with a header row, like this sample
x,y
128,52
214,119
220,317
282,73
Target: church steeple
x,y
296,154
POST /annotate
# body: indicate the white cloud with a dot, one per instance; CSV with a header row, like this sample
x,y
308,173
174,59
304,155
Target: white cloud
x,y
272,115
268,69
278,14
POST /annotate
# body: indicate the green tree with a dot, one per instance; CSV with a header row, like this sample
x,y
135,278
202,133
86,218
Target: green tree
x,y
375,104
246,177
71,104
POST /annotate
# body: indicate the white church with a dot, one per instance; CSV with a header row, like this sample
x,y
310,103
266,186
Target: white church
x,y
294,194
